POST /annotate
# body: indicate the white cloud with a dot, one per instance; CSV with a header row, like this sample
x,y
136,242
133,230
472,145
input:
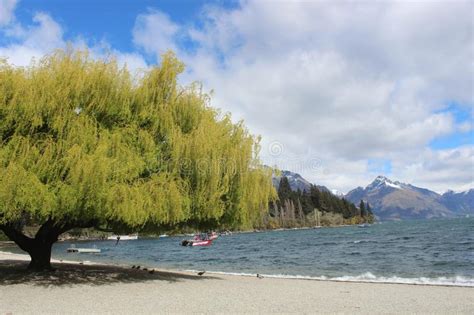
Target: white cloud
x,y
155,33
33,41
45,35
466,126
334,83
440,169
133,61
346,81
7,8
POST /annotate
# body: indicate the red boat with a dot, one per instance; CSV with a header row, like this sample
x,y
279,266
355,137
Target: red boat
x,y
198,240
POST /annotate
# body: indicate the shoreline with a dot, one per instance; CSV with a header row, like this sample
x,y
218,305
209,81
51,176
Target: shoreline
x,y
4,255
76,288
335,279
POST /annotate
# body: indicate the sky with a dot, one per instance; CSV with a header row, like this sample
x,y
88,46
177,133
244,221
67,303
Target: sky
x,y
340,91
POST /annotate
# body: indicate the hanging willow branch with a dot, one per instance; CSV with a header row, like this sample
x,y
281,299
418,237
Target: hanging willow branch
x,y
84,144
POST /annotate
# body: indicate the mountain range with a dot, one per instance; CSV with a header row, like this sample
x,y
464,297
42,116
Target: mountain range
x,y
393,200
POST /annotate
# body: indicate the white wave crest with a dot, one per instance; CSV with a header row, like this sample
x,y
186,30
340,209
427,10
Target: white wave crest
x,y
367,277
446,281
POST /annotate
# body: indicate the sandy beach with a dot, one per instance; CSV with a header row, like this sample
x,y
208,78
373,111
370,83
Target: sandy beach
x,y
76,288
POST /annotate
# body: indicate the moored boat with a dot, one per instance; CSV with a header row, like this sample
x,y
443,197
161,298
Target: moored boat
x,y
74,249
123,237
83,250
198,240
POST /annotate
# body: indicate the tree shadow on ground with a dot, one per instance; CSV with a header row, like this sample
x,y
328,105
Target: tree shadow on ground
x,y
69,274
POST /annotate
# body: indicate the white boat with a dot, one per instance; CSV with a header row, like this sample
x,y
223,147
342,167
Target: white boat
x,y
123,237
74,249
163,235
83,250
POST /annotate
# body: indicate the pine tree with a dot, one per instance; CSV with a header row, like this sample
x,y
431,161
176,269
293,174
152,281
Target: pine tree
x,y
362,209
306,203
315,197
284,189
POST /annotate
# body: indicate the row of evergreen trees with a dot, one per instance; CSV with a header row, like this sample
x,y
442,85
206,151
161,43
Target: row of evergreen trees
x,y
306,207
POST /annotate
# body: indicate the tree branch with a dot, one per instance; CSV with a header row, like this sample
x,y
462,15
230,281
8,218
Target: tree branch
x,y
23,241
65,226
49,231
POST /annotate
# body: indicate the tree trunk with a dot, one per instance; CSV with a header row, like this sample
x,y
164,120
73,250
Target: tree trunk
x,y
39,248
40,254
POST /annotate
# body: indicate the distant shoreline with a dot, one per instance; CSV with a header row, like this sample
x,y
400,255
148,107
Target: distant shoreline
x,y
93,238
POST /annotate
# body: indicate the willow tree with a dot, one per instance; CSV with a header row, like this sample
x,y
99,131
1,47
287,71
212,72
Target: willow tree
x,y
85,144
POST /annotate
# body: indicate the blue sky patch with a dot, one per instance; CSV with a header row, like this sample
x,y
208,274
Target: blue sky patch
x,y
463,115
379,166
112,20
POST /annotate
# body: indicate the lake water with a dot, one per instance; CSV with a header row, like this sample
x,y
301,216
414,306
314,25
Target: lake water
x,y
431,251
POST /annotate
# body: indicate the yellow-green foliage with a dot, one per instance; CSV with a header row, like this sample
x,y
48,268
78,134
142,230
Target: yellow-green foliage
x,y
83,140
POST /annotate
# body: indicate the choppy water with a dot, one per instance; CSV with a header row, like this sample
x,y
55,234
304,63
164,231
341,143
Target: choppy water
x,y
434,252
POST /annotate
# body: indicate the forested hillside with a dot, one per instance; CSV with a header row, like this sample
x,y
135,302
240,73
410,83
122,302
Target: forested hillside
x,y
314,207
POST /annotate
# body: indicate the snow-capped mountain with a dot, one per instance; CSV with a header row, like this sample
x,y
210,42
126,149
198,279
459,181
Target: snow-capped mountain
x,y
382,181
336,192
296,181
393,200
